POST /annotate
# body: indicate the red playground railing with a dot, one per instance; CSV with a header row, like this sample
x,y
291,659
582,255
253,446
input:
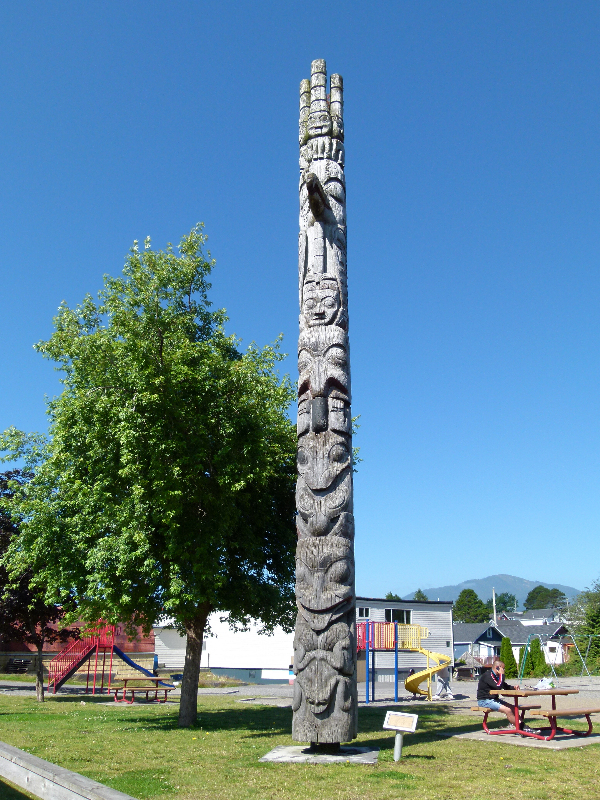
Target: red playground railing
x,y
104,634
382,636
68,661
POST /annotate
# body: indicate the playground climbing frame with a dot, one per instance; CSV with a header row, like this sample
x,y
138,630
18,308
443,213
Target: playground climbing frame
x,y
374,636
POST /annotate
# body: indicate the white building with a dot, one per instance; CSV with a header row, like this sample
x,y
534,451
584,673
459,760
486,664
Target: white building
x,y
247,655
435,615
479,643
262,658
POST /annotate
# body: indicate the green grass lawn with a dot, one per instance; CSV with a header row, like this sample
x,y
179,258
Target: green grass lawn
x,y
139,750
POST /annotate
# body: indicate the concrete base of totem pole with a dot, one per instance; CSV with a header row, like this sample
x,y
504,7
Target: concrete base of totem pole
x,y
302,754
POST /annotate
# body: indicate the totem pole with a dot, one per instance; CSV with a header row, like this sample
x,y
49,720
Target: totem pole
x,y
325,697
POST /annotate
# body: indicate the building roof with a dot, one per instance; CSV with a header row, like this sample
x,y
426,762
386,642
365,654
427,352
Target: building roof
x,y
393,603
468,631
518,634
541,613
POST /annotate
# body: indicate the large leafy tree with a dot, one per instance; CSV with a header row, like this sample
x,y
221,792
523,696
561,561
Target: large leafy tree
x,y
586,620
469,607
25,614
166,487
505,601
420,596
542,597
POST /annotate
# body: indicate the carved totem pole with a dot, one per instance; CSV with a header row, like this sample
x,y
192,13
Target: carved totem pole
x,y
325,697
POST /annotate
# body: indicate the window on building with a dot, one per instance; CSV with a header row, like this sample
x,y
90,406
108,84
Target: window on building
x,y
363,613
489,633
401,615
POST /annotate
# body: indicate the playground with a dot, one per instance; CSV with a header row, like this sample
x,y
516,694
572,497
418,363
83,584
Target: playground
x,y
138,749
96,650
373,637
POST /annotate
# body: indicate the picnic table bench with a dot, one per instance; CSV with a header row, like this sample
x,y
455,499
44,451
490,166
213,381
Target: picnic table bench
x,y
522,709
141,689
552,713
546,733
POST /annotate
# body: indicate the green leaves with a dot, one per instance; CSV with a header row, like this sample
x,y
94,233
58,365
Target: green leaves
x,y
168,478
507,656
542,597
469,607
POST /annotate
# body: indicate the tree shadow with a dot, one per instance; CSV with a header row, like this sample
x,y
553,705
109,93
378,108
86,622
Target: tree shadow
x,y
430,717
8,792
266,721
249,721
433,725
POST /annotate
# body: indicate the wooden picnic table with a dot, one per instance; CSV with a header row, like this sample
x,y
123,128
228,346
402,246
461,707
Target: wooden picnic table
x,y
143,689
551,714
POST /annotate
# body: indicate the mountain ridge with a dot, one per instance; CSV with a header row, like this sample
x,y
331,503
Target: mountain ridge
x,y
512,584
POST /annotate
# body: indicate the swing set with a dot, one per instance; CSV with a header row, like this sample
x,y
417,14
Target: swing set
x,y
561,641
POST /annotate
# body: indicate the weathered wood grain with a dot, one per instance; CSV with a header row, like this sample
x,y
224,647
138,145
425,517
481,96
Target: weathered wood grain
x,y
325,697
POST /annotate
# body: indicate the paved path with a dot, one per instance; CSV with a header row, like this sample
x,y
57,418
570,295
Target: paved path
x,y
465,693
25,689
281,693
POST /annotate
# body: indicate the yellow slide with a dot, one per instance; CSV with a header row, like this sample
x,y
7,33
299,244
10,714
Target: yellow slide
x,y
411,684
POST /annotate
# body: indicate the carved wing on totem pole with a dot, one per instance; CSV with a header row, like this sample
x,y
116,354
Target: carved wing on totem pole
x,y
325,698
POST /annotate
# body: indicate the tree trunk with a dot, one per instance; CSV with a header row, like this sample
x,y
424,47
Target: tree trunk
x,y
188,709
39,676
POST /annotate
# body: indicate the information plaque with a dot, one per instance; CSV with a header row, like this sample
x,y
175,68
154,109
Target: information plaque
x,y
401,722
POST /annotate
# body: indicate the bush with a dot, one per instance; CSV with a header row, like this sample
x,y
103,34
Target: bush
x,y
574,666
540,668
529,668
506,655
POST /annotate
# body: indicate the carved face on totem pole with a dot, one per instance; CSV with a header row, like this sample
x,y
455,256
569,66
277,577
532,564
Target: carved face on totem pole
x,y
325,645
324,362
326,666
321,301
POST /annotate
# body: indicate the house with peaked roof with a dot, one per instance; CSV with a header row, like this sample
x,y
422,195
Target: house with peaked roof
x,y
543,616
478,643
535,616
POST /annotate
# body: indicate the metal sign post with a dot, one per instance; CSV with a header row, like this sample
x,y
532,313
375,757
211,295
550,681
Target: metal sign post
x,y
401,723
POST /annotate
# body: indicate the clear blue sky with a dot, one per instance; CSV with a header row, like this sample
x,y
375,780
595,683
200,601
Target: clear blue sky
x,y
473,172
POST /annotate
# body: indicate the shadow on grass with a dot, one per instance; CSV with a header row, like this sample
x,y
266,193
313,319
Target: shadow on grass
x,y
434,725
259,722
371,719
11,793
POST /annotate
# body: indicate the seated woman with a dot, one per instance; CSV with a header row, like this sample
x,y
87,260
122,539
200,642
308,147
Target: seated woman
x,y
494,679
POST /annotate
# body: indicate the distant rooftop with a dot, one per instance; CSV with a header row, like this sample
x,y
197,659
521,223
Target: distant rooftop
x,y
412,602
